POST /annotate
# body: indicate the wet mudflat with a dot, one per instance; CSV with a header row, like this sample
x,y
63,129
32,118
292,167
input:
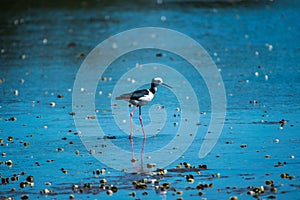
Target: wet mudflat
x,y
255,45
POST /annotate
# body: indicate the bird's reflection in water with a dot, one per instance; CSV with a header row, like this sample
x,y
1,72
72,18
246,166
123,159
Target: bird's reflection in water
x,y
140,168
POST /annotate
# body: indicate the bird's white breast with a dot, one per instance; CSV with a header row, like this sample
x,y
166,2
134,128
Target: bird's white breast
x,y
143,100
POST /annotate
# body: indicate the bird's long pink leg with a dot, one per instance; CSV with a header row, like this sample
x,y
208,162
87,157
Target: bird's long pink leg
x,y
131,133
141,121
131,126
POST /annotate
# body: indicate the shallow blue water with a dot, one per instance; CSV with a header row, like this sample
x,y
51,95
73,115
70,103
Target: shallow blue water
x,y
237,37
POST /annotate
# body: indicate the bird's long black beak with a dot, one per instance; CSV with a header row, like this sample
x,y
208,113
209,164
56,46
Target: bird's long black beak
x,y
166,85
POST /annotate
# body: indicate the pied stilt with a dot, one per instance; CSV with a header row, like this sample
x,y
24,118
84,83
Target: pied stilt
x,y
140,98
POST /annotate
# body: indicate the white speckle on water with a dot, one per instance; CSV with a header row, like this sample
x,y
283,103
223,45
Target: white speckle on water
x,y
100,92
23,56
159,1
247,81
22,81
246,36
69,90
266,77
132,81
215,54
138,65
52,104
16,92
82,89
2,51
187,97
270,47
163,18
16,22
124,121
45,41
114,45
256,53
256,74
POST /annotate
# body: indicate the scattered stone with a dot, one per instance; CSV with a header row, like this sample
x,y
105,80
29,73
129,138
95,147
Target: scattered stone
x,y
132,194
151,165
269,182
9,163
46,191
283,122
26,144
60,96
30,179
267,156
65,171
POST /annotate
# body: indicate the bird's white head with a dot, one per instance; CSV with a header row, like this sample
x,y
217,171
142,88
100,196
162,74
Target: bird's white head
x,y
158,81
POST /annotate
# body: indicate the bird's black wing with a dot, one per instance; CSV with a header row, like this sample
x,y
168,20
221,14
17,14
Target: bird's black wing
x,y
138,94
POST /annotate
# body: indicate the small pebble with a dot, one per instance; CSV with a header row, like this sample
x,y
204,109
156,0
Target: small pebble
x,y
9,163
30,179
46,191
109,192
52,104
103,181
26,144
269,182
151,165
273,190
24,197
233,198
132,194
180,192
145,193
114,189
23,184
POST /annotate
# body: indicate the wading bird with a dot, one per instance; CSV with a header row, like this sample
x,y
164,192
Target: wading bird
x,y
140,98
